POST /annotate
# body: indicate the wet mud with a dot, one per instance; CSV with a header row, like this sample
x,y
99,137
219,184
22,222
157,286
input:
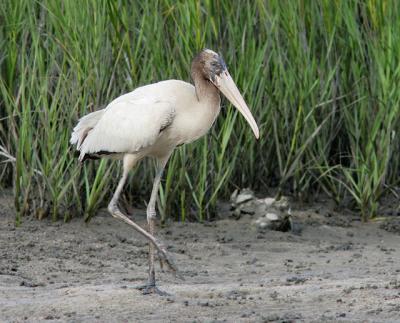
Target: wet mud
x,y
336,269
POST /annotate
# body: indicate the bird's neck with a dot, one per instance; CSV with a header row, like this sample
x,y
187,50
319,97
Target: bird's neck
x,y
206,92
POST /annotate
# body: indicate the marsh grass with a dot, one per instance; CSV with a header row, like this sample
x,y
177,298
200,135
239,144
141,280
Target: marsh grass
x,y
321,77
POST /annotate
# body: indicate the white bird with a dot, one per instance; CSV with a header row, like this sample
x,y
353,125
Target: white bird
x,y
152,121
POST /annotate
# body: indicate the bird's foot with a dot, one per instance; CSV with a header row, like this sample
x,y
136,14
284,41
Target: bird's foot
x,y
148,289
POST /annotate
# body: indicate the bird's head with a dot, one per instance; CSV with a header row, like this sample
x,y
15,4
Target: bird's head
x,y
209,64
212,68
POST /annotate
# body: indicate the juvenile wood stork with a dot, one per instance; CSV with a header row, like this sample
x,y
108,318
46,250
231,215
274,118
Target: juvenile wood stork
x,y
152,121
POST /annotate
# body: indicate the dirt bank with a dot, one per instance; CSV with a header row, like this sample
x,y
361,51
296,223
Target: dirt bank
x,y
86,273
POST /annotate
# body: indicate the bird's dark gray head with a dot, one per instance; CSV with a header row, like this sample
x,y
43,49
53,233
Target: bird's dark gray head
x,y
209,64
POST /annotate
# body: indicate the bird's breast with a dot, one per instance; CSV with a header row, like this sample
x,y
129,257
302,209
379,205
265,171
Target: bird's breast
x,y
192,119
195,120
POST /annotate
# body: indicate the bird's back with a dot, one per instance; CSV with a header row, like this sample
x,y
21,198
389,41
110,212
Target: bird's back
x,y
169,89
132,121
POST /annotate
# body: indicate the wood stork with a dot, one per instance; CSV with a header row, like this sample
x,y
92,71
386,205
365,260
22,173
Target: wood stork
x,y
152,121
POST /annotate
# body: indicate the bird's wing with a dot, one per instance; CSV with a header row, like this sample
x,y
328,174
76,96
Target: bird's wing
x,y
129,124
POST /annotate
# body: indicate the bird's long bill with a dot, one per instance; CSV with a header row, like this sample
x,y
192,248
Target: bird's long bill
x,y
227,86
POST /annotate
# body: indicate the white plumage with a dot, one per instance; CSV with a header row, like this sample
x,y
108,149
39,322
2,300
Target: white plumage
x,y
168,112
128,124
84,125
152,121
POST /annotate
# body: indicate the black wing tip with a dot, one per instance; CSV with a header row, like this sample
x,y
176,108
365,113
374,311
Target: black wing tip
x,y
94,156
85,157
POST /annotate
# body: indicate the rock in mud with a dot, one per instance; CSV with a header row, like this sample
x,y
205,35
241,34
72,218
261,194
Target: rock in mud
x,y
268,201
273,221
276,216
244,195
272,214
282,204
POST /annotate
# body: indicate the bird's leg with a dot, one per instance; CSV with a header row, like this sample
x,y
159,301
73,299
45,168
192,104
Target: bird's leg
x,y
151,216
115,212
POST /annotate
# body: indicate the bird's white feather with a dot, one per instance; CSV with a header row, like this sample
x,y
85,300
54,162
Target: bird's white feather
x,y
129,123
84,125
134,122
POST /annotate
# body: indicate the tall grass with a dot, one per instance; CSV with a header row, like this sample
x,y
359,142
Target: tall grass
x,y
321,77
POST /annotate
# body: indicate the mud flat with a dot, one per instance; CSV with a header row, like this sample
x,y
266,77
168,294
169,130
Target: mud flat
x,y
337,269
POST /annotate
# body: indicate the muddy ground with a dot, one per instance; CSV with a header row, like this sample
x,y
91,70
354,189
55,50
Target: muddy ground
x,y
338,269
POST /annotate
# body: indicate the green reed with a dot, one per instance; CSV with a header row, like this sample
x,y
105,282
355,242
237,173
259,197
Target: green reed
x,y
321,78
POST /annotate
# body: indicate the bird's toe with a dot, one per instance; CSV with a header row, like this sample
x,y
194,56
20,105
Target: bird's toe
x,y
152,289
